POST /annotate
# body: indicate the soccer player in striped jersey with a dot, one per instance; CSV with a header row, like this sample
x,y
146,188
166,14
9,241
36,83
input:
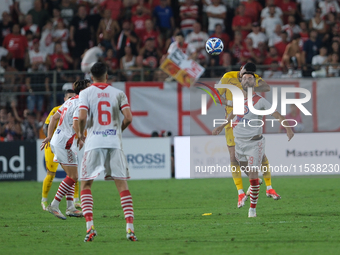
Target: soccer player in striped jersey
x,y
102,105
234,78
64,153
52,166
249,141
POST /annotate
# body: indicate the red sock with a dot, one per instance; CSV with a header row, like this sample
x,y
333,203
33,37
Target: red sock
x,y
87,204
254,192
126,201
64,187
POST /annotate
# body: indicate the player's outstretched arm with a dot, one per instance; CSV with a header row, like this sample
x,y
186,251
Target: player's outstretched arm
x,y
127,118
54,120
279,117
262,86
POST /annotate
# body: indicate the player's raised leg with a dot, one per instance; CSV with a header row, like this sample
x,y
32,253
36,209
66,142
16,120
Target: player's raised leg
x,y
51,170
270,192
66,187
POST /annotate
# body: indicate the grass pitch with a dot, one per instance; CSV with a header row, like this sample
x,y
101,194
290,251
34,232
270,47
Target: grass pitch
x,y
168,219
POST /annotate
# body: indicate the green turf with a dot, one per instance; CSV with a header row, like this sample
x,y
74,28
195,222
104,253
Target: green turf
x,y
168,219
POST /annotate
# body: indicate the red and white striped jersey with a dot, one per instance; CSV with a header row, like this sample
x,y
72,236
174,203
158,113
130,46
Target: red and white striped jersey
x,y
249,124
34,28
64,134
186,22
103,103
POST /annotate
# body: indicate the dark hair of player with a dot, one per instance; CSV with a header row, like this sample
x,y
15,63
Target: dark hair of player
x,y
69,91
250,67
248,72
98,70
80,85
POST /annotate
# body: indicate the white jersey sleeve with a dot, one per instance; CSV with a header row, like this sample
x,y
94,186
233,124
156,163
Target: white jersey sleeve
x,y
123,101
76,113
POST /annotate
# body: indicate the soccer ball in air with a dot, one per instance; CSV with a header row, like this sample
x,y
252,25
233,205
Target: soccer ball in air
x,y
214,46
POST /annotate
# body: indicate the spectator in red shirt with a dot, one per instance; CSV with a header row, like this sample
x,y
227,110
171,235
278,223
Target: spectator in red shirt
x,y
146,7
188,14
223,36
151,33
115,6
236,46
252,10
17,45
59,54
111,61
304,31
138,21
281,46
241,22
288,8
249,53
272,55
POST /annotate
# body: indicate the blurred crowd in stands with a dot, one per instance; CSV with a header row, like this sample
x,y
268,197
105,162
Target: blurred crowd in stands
x,y
293,38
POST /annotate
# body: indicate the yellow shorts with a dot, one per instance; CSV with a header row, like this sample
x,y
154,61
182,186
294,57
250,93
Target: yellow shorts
x,y
229,136
50,165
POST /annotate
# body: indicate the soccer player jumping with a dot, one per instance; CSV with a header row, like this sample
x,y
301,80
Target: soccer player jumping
x,y
249,142
102,104
234,78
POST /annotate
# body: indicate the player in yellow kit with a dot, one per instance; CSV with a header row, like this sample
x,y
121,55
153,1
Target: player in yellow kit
x,y
52,166
233,78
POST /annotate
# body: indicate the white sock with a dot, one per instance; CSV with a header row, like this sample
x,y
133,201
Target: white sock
x,y
75,200
240,191
252,209
89,224
129,226
69,204
55,203
269,187
44,199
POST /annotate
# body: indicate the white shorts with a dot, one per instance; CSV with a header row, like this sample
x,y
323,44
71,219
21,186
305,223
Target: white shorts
x,y
86,67
111,161
251,151
64,156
